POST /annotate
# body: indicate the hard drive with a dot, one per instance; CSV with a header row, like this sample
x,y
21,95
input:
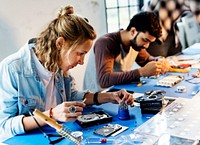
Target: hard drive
x,y
93,118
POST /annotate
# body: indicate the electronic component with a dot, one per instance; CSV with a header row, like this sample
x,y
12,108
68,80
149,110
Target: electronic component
x,y
151,101
123,112
181,89
169,80
93,118
78,135
108,130
120,131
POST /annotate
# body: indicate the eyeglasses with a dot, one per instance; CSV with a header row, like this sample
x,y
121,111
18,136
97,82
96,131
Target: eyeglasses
x,y
49,136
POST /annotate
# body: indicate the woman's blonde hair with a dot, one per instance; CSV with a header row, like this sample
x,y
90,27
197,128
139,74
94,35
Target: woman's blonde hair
x,y
73,28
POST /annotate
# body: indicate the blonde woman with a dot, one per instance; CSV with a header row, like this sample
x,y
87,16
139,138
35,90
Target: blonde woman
x,y
37,76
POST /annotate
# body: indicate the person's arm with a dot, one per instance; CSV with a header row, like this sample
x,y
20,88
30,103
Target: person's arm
x,y
10,119
113,97
150,69
105,53
143,58
155,66
59,113
29,123
11,122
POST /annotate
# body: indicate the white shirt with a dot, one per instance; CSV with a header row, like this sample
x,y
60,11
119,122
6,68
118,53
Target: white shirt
x,y
48,79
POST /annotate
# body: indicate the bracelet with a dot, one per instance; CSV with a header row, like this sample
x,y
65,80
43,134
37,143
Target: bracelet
x,y
51,113
95,99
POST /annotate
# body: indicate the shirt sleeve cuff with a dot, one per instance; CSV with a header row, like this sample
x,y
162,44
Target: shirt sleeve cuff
x,y
18,125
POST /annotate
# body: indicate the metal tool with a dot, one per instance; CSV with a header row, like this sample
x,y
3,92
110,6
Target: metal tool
x,y
62,130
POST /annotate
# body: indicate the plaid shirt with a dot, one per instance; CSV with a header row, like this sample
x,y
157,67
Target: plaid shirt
x,y
171,10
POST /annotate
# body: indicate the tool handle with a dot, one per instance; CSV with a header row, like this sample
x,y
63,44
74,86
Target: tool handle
x,y
47,120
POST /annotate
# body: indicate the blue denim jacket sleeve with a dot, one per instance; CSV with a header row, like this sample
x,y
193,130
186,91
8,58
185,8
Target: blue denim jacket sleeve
x,y
17,79
9,124
19,83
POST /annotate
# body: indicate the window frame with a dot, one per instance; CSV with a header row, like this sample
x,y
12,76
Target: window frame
x,y
139,6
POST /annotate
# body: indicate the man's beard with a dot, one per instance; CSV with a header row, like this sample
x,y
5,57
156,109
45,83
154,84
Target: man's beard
x,y
134,45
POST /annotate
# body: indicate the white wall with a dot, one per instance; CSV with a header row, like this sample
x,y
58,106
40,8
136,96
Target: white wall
x,y
21,20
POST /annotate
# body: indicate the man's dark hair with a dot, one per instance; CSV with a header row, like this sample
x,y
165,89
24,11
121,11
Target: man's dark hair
x,y
146,22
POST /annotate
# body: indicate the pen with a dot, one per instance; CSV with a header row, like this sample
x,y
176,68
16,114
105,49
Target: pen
x,y
84,100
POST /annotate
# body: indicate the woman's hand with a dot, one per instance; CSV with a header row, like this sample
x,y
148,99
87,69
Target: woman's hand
x,y
122,96
68,111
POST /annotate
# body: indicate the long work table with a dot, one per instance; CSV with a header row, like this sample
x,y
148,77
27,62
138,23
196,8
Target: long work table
x,y
138,122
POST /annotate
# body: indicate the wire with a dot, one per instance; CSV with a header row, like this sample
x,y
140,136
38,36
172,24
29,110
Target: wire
x,y
189,81
47,135
63,131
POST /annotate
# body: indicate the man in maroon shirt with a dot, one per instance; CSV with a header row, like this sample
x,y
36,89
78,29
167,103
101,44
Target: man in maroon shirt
x,y
115,53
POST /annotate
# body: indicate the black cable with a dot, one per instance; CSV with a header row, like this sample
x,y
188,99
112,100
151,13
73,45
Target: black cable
x,y
47,135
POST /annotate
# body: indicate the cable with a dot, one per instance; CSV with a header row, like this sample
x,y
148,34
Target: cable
x,y
62,130
189,81
47,135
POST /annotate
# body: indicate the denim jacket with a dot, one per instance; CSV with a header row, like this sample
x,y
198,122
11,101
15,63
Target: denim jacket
x,y
21,90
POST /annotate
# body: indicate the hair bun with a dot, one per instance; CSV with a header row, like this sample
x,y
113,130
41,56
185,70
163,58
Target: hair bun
x,y
66,11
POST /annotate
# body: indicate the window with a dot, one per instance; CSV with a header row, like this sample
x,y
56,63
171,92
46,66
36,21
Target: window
x,y
119,13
